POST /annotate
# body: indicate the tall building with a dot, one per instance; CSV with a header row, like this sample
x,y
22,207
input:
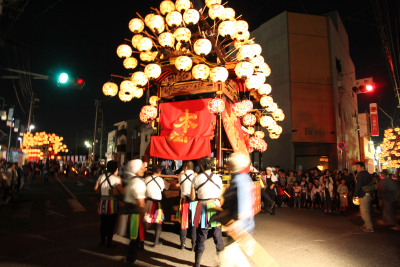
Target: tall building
x,y
312,79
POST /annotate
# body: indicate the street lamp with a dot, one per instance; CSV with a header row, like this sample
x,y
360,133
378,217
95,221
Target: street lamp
x,y
89,146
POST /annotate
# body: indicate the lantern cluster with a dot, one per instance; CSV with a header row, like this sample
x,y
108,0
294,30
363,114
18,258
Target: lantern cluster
x,y
40,145
390,154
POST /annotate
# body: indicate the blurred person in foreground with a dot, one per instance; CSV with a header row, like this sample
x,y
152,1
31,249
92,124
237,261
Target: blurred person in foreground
x,y
389,194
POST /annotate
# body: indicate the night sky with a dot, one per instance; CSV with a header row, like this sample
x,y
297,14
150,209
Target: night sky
x,y
82,36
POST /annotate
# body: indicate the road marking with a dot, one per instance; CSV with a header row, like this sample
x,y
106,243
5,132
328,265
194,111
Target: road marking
x,y
76,205
24,210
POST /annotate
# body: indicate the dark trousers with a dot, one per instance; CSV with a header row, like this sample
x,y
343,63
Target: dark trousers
x,y
107,227
193,234
202,235
132,251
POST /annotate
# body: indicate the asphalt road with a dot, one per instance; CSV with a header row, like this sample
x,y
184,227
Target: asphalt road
x,y
56,224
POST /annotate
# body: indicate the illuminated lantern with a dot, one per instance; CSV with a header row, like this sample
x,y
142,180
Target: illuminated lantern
x,y
259,134
182,5
243,36
241,26
138,93
249,120
216,105
265,89
148,56
130,63
110,89
274,135
250,130
127,86
279,117
135,40
237,44
356,201
182,34
145,44
229,13
257,49
202,47
139,78
166,39
209,3
265,69
174,19
183,63
239,109
144,118
125,96
216,12
153,100
246,52
276,129
247,104
136,25
219,74
124,51
152,71
244,69
257,61
266,121
149,111
191,16
272,107
156,23
266,101
226,28
201,72
254,82
167,7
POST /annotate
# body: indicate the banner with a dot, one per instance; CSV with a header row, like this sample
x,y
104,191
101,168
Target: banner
x,y
186,130
373,111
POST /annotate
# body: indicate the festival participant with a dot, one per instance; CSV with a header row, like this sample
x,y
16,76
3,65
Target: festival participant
x,y
271,181
364,178
343,194
208,188
154,214
187,207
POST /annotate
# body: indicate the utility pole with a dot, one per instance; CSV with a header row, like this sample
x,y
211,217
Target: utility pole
x,y
97,103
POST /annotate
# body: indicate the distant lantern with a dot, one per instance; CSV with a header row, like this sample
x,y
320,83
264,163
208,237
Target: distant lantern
x,y
241,26
209,3
152,71
249,120
265,69
266,101
265,89
135,40
136,25
125,96
216,12
153,100
219,74
254,82
250,130
216,105
202,47
174,19
130,63
148,56
148,112
226,28
259,134
127,86
124,51
257,49
257,61
145,44
156,24
201,72
266,121
244,69
229,13
167,7
182,5
239,109
183,34
138,93
248,104
191,16
183,63
246,52
139,78
243,36
272,107
276,129
166,39
110,89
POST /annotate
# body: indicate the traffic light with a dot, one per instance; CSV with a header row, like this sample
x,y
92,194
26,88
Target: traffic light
x,y
66,80
365,85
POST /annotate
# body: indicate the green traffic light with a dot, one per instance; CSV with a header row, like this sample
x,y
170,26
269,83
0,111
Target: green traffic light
x,y
63,78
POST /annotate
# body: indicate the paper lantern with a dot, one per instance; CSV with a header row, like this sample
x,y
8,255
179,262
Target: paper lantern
x,y
266,101
167,7
110,89
278,116
149,111
246,52
272,107
239,109
145,44
127,86
153,100
266,121
216,105
174,19
138,93
166,39
135,40
247,104
229,13
182,34
257,61
250,130
152,71
254,81
275,129
125,96
124,51
183,63
201,72
144,118
139,78
242,36
182,5
130,63
249,120
227,28
219,74
265,89
216,12
241,26
136,25
265,69
202,47
259,134
257,49
156,23
148,56
244,69
209,3
191,16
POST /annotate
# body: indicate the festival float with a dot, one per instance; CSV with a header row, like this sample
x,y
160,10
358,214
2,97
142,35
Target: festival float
x,y
204,80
